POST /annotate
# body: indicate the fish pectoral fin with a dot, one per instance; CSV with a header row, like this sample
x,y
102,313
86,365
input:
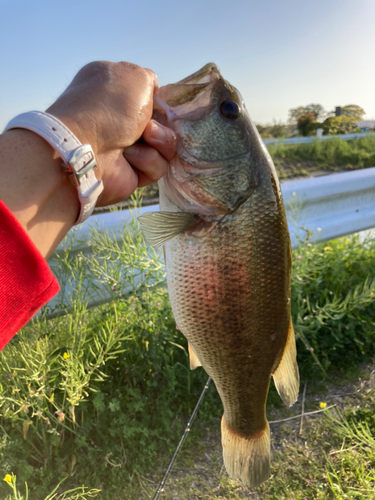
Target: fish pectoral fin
x,y
286,375
193,358
160,227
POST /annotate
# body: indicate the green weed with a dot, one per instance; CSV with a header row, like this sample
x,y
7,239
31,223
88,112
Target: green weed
x,y
101,396
352,154
354,475
121,367
79,493
333,296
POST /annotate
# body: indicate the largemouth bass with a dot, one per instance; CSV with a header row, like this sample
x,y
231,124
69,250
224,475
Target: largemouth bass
x,y
227,252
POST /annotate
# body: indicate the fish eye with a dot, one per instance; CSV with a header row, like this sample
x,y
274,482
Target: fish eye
x,y
230,109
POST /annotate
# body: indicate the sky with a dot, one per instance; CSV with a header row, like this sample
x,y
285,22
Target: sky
x,y
280,54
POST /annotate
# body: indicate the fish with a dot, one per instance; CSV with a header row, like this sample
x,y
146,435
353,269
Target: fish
x,y
227,252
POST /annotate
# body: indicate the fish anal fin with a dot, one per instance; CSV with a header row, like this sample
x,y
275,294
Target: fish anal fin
x,y
164,255
286,375
193,358
160,227
246,457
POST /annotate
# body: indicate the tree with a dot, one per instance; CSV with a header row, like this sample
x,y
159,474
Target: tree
x,y
307,124
277,129
316,109
353,111
339,125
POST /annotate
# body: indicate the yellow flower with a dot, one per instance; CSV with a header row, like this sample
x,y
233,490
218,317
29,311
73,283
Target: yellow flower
x,y
327,248
323,405
8,478
66,355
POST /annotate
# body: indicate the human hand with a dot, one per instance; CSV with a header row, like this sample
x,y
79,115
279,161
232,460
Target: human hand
x,y
109,106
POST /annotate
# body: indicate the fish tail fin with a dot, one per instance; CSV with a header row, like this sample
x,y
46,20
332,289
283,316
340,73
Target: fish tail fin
x,y
286,375
246,457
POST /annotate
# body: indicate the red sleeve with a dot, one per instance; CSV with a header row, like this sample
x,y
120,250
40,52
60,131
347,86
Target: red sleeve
x,y
26,281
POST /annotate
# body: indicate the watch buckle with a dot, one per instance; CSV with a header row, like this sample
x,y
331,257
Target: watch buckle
x,y
79,162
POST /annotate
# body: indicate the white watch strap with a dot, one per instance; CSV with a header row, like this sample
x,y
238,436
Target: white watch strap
x,y
67,146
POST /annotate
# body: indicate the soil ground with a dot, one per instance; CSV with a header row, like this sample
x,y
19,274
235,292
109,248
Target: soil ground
x,y
199,474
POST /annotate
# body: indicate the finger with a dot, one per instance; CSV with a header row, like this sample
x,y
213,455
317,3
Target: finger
x,y
162,138
148,161
154,78
119,178
143,180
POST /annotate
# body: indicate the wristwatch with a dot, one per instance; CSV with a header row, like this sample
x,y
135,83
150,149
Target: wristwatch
x,y
79,159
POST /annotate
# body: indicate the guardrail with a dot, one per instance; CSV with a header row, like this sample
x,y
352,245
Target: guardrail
x,y
305,140
329,206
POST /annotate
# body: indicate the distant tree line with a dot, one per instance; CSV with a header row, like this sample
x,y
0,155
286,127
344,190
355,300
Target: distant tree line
x,y
305,120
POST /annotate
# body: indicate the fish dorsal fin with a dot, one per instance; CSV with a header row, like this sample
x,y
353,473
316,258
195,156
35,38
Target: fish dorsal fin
x,y
193,358
160,227
286,376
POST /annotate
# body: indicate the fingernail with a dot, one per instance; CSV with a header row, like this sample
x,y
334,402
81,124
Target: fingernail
x,y
161,133
130,150
158,132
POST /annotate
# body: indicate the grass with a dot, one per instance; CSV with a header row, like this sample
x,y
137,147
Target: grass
x,y
335,154
101,396
79,493
358,153
333,457
119,413
333,293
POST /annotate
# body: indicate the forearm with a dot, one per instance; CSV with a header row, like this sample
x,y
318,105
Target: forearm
x,y
36,189
109,106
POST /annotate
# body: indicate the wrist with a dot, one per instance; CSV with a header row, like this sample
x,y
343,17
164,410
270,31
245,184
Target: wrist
x,y
79,126
36,189
78,159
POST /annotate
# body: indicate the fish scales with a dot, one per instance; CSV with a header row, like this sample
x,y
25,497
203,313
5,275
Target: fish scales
x,y
228,259
223,298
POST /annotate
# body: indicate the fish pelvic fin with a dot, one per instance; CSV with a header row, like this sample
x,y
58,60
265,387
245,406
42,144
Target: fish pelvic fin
x,y
286,375
193,358
160,227
246,457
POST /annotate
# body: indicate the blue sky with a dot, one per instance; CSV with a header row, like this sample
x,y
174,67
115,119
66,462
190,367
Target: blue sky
x,y
279,53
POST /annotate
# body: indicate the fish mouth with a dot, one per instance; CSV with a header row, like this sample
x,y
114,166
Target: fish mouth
x,y
187,89
209,73
189,97
177,105
203,75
